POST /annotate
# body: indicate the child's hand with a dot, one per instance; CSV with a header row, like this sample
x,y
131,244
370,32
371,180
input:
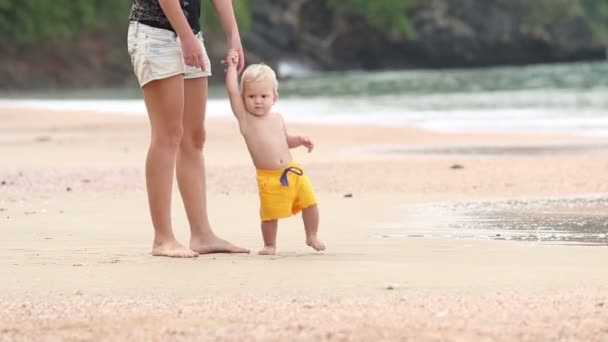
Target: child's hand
x,y
232,58
306,142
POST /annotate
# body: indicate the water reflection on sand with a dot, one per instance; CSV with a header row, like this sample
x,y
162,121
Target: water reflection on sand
x,y
581,220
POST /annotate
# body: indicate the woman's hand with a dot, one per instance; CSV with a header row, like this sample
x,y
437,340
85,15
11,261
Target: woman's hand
x,y
193,52
234,43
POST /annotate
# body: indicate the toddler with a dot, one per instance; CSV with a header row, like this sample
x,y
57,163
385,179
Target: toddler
x,y
283,186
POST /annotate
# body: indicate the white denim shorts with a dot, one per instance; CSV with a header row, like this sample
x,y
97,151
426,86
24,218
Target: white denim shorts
x,y
156,54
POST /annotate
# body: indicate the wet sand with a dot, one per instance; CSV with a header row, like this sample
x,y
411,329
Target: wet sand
x,y
75,263
565,220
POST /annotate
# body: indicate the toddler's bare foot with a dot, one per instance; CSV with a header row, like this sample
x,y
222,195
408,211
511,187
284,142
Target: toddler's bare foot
x,y
315,243
215,245
267,250
172,249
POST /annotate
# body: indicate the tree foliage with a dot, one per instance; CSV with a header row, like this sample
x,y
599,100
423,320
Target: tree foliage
x,y
242,12
596,13
28,21
391,16
547,14
25,22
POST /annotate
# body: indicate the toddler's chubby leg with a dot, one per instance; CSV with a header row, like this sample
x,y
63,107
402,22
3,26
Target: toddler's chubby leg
x,y
269,233
310,216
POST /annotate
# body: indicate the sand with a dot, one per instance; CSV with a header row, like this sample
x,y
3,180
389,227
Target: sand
x,y
75,262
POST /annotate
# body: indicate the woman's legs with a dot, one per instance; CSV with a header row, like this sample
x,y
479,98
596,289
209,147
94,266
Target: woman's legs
x,y
191,171
164,102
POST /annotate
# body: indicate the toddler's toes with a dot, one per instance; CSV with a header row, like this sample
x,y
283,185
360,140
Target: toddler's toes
x,y
316,244
267,250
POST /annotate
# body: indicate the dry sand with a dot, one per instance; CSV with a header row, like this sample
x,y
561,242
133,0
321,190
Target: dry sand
x,y
75,263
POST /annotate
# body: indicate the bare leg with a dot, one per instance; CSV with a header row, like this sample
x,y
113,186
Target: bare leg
x,y
269,232
164,102
310,216
191,172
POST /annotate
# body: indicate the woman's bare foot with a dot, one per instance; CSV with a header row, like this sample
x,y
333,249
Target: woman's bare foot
x,y
315,243
172,249
267,250
214,245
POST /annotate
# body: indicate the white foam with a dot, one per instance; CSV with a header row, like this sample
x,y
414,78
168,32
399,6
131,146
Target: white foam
x,y
372,111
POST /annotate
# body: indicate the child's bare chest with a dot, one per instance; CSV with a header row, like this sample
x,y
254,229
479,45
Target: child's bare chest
x,y
264,133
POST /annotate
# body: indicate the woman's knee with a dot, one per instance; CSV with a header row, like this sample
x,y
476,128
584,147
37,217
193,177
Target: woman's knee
x,y
194,138
170,136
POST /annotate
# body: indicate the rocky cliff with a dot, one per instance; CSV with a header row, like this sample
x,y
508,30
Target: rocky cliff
x,y
447,34
309,34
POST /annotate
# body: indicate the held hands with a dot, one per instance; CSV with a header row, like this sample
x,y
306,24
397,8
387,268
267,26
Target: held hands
x,y
193,52
232,58
234,43
306,142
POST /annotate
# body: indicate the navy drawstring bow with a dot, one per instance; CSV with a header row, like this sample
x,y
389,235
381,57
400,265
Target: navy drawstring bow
x,y
293,169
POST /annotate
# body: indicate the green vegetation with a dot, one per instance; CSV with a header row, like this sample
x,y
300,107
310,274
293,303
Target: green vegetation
x,y
547,14
391,16
29,21
596,13
24,22
242,11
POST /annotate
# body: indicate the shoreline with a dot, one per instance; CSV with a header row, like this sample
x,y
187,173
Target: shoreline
x,y
323,114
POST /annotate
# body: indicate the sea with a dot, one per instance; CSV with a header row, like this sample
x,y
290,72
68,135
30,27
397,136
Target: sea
x,y
570,97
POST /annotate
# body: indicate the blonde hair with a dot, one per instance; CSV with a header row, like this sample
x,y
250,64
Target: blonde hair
x,y
260,72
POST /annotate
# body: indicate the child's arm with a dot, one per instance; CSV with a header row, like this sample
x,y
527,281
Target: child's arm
x,y
232,85
294,141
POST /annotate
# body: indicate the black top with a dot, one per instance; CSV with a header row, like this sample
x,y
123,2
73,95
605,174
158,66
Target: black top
x,y
148,12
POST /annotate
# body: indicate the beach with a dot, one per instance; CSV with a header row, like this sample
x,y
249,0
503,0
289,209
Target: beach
x,y
75,257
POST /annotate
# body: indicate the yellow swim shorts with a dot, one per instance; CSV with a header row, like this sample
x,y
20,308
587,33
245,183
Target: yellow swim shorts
x,y
284,192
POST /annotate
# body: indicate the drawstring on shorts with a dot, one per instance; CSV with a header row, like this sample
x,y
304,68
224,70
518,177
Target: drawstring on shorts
x,y
293,169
